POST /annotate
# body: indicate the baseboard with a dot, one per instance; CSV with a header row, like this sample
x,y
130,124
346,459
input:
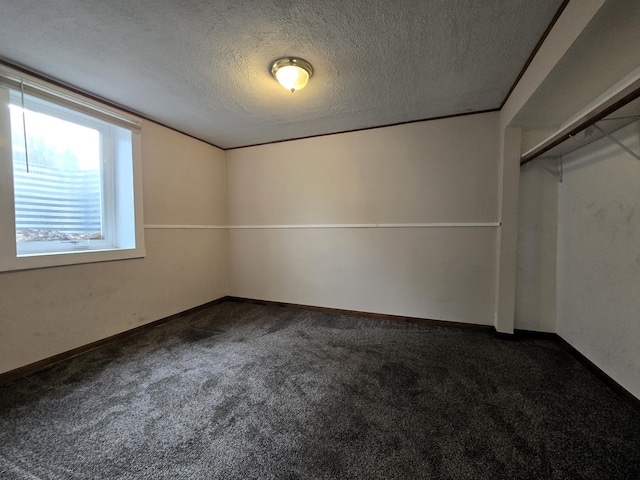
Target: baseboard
x,y
12,375
380,316
629,397
518,334
592,367
532,334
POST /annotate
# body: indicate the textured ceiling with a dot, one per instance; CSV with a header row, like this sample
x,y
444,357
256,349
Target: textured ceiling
x,y
202,66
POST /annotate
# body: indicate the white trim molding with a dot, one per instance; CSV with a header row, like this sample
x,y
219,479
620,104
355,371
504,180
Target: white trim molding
x,y
325,226
185,227
366,225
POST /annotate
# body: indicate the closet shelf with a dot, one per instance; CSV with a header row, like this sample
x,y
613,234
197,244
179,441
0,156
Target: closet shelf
x,y
607,126
613,111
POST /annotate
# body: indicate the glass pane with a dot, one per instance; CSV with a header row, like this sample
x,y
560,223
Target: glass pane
x,y
59,198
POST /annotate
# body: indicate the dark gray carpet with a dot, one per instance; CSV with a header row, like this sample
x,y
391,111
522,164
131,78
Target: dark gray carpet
x,y
249,391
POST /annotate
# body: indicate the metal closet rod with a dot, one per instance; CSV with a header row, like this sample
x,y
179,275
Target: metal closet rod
x,y
587,122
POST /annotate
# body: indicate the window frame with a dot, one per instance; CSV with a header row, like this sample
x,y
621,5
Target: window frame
x,y
123,204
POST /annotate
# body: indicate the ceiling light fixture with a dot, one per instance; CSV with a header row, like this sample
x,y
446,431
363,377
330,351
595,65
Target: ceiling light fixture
x,y
292,73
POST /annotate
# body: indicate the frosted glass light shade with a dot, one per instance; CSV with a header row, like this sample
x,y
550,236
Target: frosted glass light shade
x,y
292,73
292,78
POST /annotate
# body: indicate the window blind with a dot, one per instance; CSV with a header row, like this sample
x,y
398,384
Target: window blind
x,y
63,98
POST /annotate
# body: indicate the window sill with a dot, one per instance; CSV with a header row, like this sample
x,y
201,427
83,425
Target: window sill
x,y
28,262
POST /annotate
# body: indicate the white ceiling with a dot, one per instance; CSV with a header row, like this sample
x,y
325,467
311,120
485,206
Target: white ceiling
x,y
202,66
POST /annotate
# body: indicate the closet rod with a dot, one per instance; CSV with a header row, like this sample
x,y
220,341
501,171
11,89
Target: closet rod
x,y
587,122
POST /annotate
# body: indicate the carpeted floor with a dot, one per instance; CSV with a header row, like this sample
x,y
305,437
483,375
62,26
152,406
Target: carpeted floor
x,y
257,392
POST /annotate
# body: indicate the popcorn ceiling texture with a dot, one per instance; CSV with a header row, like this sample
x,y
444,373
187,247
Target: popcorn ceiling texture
x,y
202,67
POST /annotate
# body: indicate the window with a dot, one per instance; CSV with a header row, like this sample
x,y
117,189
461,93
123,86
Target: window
x,y
70,187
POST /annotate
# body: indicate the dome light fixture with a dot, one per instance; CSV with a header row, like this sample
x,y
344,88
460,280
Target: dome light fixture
x,y
292,73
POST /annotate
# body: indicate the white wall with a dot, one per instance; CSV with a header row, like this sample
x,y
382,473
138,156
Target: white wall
x,y
536,258
507,232
49,311
599,256
592,276
443,171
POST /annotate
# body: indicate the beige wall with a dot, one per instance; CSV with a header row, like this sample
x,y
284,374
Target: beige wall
x,y
49,311
417,175
398,220
598,256
435,172
575,17
537,229
578,268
